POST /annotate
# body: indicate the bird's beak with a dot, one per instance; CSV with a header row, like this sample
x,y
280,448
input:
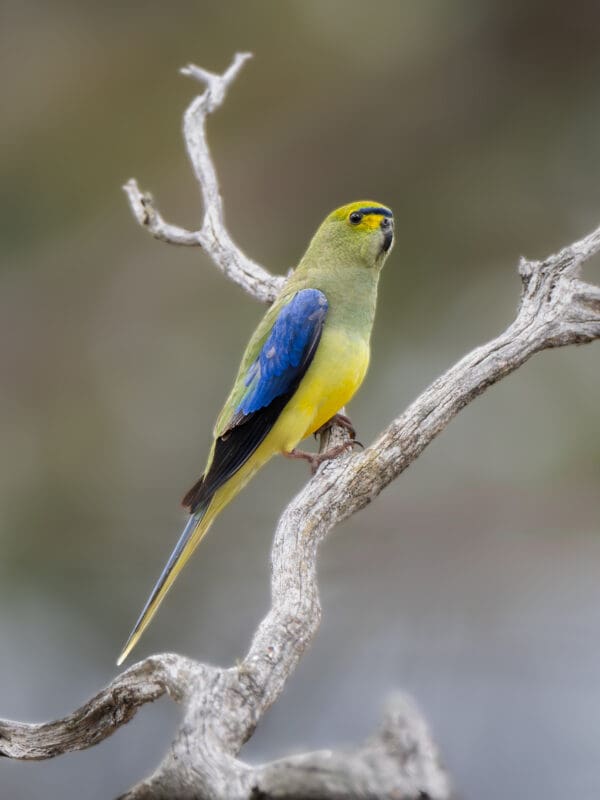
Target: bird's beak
x,y
387,228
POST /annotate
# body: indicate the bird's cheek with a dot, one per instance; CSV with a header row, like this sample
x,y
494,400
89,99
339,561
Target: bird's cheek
x,y
372,248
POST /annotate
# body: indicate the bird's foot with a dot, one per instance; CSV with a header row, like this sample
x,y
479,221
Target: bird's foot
x,y
316,459
344,422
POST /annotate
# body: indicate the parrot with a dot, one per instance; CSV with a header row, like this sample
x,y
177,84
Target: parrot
x,y
303,364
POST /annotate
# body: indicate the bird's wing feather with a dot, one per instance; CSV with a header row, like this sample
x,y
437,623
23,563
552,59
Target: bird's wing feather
x,y
262,390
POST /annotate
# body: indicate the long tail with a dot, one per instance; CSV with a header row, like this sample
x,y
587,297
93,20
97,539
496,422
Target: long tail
x,y
198,524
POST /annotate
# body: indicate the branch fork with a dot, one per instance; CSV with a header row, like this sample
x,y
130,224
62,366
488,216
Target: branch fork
x,y
221,707
213,237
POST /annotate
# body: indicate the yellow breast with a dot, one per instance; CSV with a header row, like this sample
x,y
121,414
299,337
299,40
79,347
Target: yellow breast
x,y
337,371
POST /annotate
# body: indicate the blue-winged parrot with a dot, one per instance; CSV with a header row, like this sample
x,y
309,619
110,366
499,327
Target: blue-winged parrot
x,y
304,362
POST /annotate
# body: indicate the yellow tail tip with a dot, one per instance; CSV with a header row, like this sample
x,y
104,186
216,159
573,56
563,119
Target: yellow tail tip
x,y
129,645
123,656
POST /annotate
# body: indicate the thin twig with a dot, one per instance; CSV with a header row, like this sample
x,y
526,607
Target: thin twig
x,y
213,236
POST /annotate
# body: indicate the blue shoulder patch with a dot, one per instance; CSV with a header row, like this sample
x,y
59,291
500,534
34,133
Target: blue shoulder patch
x,y
287,352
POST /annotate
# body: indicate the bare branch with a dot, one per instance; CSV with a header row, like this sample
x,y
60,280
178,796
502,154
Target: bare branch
x,y
102,715
371,771
221,707
146,214
213,236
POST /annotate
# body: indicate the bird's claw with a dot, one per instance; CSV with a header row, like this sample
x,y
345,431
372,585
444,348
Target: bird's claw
x,y
316,459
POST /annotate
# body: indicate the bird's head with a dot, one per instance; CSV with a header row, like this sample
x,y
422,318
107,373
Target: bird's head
x,y
359,233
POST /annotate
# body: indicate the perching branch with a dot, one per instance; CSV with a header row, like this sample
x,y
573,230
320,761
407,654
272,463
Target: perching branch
x,y
221,707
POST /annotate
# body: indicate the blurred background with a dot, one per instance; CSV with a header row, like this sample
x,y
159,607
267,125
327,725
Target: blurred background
x,y
474,581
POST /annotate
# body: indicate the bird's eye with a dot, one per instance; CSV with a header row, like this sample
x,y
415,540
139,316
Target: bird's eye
x,y
355,217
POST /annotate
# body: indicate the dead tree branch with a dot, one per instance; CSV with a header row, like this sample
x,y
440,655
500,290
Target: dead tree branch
x,y
221,707
213,236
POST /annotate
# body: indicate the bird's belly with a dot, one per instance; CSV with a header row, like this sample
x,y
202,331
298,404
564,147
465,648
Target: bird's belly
x,y
337,371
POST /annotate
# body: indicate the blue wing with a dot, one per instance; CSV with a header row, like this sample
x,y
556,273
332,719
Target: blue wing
x,y
285,355
270,382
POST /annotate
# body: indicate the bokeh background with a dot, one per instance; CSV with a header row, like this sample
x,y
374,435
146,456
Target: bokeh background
x,y
474,581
